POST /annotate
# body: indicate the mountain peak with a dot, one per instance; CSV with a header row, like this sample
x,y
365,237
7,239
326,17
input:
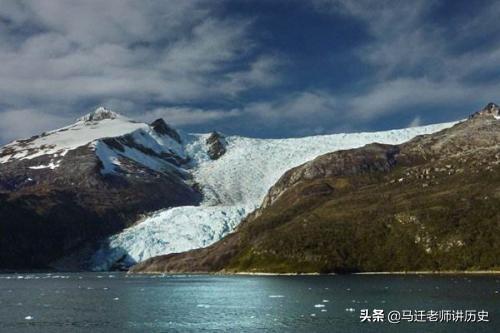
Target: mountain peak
x,y
98,114
491,109
161,127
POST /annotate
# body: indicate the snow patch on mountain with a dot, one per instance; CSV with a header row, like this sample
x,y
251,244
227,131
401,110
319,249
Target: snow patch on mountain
x,y
119,142
51,165
145,147
233,186
87,129
98,114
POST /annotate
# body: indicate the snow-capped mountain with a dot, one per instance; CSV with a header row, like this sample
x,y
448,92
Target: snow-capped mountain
x,y
150,189
70,187
233,186
94,129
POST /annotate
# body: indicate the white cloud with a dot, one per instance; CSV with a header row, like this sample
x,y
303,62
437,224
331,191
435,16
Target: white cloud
x,y
395,95
95,22
61,57
15,124
209,44
303,111
180,116
160,52
263,72
413,58
298,106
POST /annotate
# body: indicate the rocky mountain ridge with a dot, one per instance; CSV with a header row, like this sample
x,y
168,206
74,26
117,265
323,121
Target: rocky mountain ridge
x,y
431,203
67,188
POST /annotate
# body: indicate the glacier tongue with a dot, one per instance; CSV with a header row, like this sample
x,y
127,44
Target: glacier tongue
x,y
233,186
166,231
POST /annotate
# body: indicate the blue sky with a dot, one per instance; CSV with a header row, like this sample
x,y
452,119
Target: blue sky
x,y
267,68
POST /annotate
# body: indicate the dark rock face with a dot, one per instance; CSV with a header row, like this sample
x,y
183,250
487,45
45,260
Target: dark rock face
x,y
162,128
491,109
46,214
432,203
216,145
119,143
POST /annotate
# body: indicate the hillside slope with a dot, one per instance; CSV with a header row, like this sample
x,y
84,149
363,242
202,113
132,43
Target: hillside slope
x,y
233,185
432,203
68,188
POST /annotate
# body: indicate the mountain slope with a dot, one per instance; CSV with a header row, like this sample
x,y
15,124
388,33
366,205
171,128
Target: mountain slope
x,y
432,203
233,185
71,187
107,192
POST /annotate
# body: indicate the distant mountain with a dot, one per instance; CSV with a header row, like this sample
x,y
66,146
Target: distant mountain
x,y
432,203
107,192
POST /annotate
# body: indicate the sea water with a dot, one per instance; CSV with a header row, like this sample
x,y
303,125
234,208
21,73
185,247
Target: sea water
x,y
116,302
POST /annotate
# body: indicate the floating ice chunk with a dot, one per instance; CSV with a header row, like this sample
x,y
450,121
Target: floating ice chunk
x,y
325,301
323,310
319,305
206,306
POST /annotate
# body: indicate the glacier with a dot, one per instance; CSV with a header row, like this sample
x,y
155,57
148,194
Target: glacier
x,y
233,186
